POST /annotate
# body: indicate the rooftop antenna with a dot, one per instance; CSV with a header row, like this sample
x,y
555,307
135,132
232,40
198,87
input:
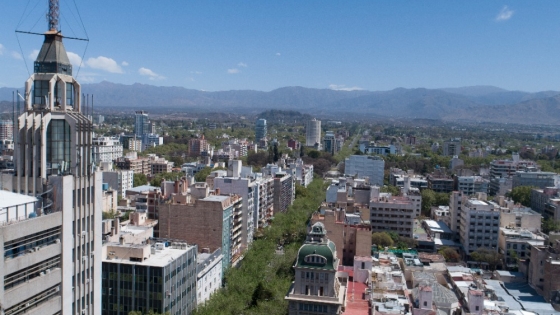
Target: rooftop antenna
x,y
52,15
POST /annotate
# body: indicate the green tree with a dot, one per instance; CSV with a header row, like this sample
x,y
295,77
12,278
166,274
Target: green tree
x,y
450,254
314,154
522,195
201,175
489,256
394,190
140,179
550,225
381,239
301,150
428,200
276,156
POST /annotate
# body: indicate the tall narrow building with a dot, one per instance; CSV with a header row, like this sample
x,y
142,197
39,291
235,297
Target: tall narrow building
x,y
53,163
313,133
260,129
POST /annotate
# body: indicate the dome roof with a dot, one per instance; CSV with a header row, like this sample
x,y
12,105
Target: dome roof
x,y
319,256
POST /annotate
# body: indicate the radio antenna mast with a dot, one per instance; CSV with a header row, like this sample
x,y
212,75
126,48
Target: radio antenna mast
x,y
53,15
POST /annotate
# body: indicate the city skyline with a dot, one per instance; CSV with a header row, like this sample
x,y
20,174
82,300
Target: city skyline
x,y
342,46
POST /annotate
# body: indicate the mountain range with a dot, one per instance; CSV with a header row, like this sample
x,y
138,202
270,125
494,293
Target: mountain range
x,y
474,103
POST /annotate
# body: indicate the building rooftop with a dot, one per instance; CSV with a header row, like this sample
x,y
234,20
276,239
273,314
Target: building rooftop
x,y
142,188
477,202
160,258
10,199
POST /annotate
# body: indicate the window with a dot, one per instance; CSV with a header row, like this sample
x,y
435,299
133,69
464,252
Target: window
x,y
425,303
477,308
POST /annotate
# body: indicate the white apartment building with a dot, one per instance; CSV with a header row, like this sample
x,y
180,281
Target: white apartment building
x,y
209,275
515,243
313,133
121,180
245,188
506,168
480,225
303,172
364,166
106,149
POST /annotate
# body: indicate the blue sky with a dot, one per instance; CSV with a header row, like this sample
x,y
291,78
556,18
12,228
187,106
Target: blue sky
x,y
264,45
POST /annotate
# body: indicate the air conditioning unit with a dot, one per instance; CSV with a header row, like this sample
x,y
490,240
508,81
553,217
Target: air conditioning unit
x,y
57,241
87,280
48,271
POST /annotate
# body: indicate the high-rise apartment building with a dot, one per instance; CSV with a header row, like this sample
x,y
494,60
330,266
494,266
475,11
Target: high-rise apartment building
x,y
313,133
141,123
106,149
260,129
6,130
53,163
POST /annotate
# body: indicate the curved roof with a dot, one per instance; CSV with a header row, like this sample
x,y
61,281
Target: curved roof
x,y
327,251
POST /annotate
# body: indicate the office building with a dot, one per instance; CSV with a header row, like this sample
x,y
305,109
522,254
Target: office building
x,y
534,179
329,143
260,130
58,171
313,133
157,276
363,166
316,288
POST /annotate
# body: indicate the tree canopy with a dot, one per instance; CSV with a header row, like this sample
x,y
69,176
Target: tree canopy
x,y
489,256
522,195
382,239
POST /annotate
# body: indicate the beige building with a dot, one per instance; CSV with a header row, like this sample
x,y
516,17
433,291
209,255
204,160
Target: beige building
x,y
351,239
544,269
390,213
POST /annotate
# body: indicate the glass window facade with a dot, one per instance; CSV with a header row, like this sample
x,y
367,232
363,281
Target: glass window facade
x,y
58,147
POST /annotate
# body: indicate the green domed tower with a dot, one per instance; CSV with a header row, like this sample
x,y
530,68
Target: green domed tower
x,y
316,289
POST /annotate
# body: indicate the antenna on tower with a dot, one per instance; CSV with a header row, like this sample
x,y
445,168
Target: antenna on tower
x,y
53,15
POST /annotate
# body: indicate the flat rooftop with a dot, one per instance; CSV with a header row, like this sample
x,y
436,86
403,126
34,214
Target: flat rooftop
x,y
160,259
477,202
10,199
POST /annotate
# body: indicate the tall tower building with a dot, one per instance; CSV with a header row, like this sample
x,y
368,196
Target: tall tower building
x,y
260,129
60,240
313,132
141,123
